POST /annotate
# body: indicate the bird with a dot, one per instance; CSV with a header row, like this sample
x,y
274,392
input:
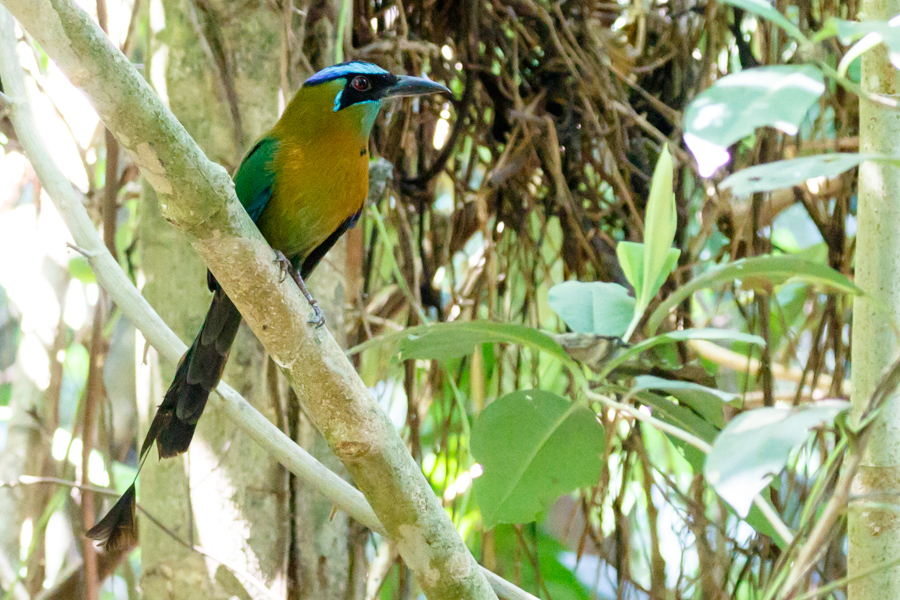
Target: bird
x,y
304,184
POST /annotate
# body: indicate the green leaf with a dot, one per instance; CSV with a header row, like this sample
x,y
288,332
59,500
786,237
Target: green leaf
x,y
597,308
867,35
705,401
659,226
736,105
788,173
758,521
777,269
534,446
683,418
846,31
705,333
631,259
682,335
756,445
452,340
80,269
770,13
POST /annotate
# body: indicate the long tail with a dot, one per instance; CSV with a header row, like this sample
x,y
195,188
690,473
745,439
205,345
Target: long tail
x,y
198,374
199,371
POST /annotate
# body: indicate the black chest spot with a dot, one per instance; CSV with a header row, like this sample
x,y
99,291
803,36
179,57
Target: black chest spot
x,y
362,151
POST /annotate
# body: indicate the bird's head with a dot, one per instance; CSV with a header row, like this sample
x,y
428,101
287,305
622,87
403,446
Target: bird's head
x,y
358,89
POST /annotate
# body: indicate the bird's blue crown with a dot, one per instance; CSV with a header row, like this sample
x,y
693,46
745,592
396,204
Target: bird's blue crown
x,y
343,70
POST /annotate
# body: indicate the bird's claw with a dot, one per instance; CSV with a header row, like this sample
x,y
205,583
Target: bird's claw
x,y
318,318
284,264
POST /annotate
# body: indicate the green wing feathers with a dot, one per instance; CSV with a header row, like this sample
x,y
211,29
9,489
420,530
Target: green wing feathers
x,y
255,178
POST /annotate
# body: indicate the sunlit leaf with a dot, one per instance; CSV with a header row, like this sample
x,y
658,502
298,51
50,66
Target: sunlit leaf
x,y
736,105
756,445
631,259
788,173
777,269
534,446
80,269
597,308
864,36
659,228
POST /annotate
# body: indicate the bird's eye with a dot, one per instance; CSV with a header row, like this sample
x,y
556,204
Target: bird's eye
x,y
361,83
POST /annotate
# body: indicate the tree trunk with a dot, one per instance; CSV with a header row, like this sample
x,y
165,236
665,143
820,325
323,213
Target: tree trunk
x,y
226,495
874,533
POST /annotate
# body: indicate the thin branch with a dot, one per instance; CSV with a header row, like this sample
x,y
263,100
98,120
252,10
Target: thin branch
x,y
193,191
31,480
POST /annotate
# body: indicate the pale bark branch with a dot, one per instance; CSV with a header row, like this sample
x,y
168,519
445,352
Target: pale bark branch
x,y
197,196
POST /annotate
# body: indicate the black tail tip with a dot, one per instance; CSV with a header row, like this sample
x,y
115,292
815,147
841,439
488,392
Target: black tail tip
x,y
118,529
174,438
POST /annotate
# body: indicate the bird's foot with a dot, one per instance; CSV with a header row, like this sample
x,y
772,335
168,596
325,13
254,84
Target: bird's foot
x,y
318,318
283,263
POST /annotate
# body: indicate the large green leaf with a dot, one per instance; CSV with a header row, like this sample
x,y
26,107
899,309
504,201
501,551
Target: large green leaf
x,y
776,269
534,446
705,401
788,173
736,105
597,308
756,445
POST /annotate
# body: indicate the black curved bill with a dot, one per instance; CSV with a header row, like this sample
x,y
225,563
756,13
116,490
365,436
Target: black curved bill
x,y
415,86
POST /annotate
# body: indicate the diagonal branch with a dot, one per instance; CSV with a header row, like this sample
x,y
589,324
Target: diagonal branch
x,y
197,196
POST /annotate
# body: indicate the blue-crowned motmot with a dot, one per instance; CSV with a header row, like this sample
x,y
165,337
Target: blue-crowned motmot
x,y
303,184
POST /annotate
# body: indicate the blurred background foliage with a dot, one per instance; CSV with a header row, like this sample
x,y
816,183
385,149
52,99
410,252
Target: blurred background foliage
x,y
529,178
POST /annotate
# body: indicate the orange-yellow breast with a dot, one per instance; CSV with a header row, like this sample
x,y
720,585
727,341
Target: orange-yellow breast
x,y
322,172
